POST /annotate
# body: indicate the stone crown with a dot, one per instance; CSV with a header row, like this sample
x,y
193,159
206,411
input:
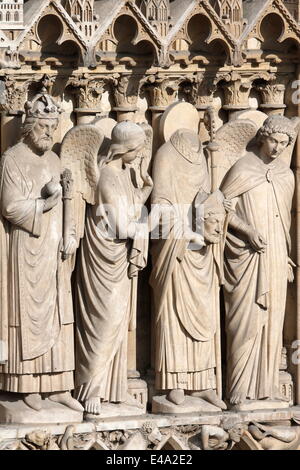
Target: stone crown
x,y
42,106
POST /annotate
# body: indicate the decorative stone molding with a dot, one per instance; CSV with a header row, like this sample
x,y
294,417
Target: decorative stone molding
x,y
273,94
237,88
15,95
89,92
162,90
227,435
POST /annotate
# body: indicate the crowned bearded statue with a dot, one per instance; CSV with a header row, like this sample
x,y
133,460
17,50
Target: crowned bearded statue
x,y
36,318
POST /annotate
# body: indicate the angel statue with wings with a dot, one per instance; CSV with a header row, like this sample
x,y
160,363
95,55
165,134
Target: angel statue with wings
x,y
112,252
36,312
257,263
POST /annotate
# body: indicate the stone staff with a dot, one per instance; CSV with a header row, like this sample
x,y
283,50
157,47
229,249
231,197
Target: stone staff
x,y
67,184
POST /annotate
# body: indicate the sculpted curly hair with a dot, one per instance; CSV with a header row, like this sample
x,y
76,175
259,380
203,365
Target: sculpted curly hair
x,y
27,127
277,124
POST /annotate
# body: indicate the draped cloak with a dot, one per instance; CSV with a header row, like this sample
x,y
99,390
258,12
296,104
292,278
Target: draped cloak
x,y
106,290
184,282
256,284
36,305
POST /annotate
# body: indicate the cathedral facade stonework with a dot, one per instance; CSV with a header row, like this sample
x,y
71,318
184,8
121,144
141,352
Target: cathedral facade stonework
x,y
149,225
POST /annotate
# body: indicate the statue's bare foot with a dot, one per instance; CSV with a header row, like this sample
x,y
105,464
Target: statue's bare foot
x,y
176,396
211,397
33,400
93,406
65,398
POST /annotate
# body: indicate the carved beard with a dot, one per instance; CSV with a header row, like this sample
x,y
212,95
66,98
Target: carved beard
x,y
42,144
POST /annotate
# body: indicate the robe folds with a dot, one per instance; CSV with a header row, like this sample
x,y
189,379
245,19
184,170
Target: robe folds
x,y
106,290
36,304
184,282
256,283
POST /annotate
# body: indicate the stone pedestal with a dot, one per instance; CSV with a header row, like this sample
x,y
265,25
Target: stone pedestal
x,y
253,405
160,405
13,410
114,410
138,390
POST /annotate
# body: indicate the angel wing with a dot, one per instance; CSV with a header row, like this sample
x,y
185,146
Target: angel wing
x,y
230,144
79,155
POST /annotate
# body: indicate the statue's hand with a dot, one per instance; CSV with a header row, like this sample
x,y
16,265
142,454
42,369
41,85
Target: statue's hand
x,y
53,200
52,187
147,181
227,205
291,266
144,173
257,241
71,247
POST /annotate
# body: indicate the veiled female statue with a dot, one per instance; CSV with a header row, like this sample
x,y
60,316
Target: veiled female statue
x,y
112,252
257,264
185,276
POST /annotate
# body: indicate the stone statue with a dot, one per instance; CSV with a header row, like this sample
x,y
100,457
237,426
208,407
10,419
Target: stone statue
x,y
185,276
214,437
276,437
114,249
37,347
257,264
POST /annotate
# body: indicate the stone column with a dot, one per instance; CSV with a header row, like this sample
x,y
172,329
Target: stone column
x,y
237,92
89,95
126,93
13,98
125,113
157,112
162,91
202,96
272,94
11,125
